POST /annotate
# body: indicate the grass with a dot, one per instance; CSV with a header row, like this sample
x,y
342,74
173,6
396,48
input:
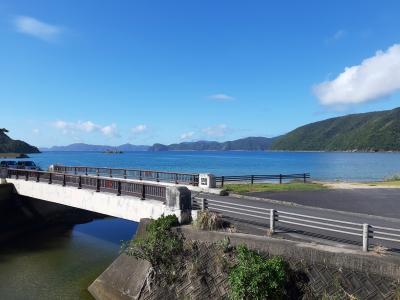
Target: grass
x,y
243,188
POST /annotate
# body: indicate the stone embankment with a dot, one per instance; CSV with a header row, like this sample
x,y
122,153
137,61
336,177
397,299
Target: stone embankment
x,y
319,271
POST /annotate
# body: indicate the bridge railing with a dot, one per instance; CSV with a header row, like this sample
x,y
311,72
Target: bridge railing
x,y
99,184
270,218
221,180
151,175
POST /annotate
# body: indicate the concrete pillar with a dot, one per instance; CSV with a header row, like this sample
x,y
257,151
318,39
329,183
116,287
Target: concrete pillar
x,y
365,237
207,181
179,201
3,175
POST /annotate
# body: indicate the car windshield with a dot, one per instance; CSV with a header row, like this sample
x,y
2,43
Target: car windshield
x,y
29,163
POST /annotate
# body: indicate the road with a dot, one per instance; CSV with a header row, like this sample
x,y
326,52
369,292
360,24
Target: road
x,y
257,225
379,202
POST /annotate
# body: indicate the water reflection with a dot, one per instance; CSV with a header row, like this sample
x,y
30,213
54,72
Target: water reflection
x,y
60,262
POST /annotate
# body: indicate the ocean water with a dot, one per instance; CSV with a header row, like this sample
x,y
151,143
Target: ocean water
x,y
322,165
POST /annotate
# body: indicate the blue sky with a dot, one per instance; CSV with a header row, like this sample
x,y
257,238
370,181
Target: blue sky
x,y
110,72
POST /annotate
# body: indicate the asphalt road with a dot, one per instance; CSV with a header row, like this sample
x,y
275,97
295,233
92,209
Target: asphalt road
x,y
378,202
260,224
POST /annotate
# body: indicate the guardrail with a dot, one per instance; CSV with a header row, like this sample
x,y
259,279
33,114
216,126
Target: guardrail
x,y
271,217
192,179
253,178
117,186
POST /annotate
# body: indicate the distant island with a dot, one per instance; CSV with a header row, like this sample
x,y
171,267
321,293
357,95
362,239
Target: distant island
x,y
8,145
245,144
373,131
97,148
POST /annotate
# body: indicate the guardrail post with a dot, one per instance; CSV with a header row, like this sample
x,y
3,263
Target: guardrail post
x,y
124,173
75,171
304,177
64,180
157,177
365,236
50,178
252,179
86,172
119,189
222,181
37,177
272,221
143,192
176,178
26,175
16,174
203,204
140,174
80,182
98,185
110,173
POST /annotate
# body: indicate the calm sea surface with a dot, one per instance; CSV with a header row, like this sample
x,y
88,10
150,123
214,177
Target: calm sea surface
x,y
60,263
321,165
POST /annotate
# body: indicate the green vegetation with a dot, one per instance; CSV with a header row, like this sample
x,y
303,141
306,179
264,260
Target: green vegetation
x,y
248,144
8,145
374,131
207,220
392,181
273,187
160,246
257,277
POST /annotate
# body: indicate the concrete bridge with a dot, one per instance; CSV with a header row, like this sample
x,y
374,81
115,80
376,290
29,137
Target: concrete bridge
x,y
121,198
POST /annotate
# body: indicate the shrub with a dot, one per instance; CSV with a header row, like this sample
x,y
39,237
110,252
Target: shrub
x,y
257,277
161,247
207,220
393,178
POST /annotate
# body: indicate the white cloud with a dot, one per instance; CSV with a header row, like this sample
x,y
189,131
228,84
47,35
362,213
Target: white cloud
x,y
139,129
35,130
376,77
110,130
36,28
221,97
216,131
87,126
187,135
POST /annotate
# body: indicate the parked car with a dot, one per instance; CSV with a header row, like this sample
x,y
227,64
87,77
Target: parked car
x,y
27,165
8,164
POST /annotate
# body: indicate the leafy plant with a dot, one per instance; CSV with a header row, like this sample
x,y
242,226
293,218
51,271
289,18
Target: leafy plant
x,y
257,277
161,247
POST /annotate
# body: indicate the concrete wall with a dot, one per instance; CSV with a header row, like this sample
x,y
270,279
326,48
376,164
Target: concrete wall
x,y
125,207
326,270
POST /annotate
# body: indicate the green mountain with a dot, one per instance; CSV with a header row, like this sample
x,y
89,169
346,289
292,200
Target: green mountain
x,y
8,145
245,144
374,131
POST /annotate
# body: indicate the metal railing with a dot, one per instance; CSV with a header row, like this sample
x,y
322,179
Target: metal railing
x,y
262,178
112,185
272,217
151,175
